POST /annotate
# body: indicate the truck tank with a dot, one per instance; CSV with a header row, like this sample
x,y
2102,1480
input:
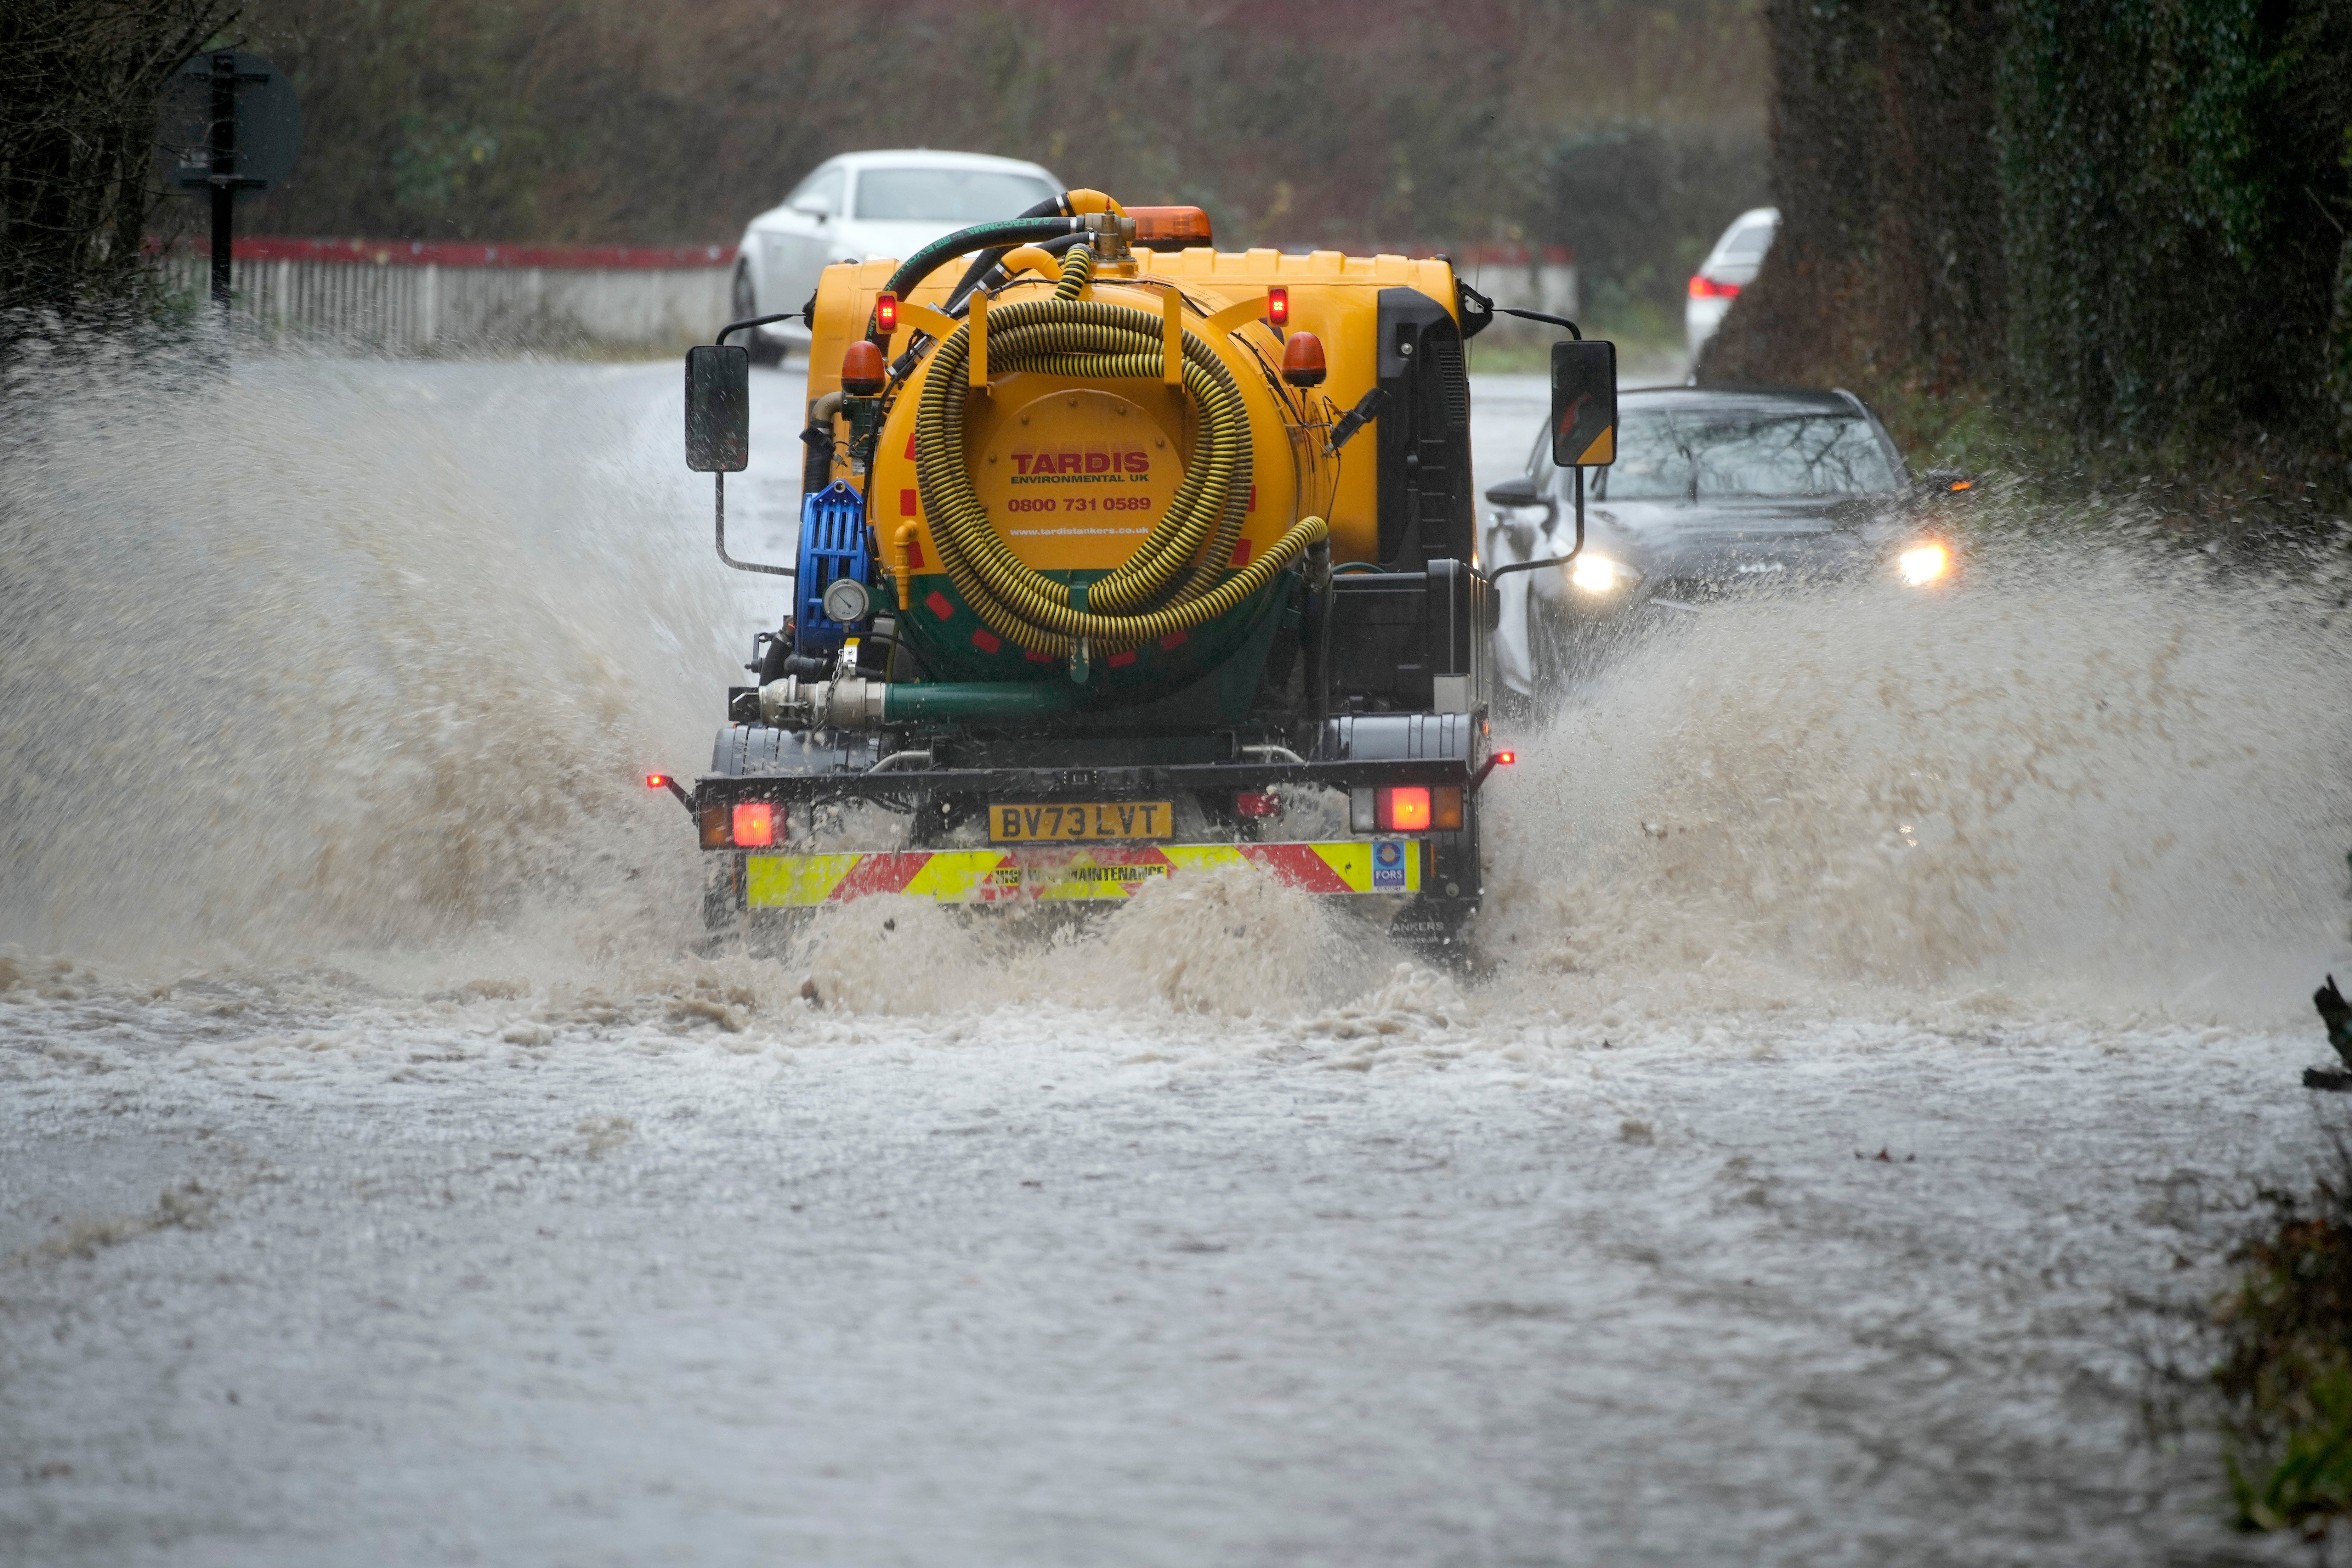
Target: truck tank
x,y
1116,551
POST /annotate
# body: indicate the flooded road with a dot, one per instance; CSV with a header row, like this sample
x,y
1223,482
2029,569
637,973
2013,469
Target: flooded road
x,y
384,1176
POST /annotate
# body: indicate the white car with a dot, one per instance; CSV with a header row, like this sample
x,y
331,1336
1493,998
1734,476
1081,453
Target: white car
x,y
1728,267
860,206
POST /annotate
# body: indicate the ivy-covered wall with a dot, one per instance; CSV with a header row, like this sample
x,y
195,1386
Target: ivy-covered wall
x,y
2125,218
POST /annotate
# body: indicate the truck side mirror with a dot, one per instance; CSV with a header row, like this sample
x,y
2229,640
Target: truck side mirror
x,y
718,408
1583,404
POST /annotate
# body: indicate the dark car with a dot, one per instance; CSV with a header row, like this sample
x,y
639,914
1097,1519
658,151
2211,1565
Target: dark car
x,y
1715,492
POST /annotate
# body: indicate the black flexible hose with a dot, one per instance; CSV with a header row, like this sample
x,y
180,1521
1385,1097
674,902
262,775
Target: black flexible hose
x,y
983,264
995,275
1008,233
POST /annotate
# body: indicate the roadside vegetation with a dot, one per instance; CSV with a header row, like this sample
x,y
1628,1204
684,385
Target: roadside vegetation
x,y
1630,131
2284,1373
78,191
2102,244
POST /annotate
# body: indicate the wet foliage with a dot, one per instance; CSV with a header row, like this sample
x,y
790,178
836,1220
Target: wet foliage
x,y
1632,133
2284,1375
2121,223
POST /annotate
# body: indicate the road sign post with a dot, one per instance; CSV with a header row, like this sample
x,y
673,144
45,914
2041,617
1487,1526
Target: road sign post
x,y
230,126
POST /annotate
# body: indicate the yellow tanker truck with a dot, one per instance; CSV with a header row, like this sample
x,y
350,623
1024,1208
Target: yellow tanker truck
x,y
1120,556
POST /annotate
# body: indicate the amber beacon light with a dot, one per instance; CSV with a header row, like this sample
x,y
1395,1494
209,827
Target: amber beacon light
x,y
1302,361
1171,228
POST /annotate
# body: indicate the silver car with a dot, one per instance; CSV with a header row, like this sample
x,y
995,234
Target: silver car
x,y
860,206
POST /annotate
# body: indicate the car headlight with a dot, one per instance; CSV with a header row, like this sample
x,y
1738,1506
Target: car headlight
x,y
1923,564
1598,574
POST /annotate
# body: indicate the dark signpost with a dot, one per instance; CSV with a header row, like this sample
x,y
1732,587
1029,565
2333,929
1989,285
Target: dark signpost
x,y
230,126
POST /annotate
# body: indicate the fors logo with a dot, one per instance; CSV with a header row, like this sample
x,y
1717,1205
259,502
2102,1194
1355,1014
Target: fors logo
x,y
1039,462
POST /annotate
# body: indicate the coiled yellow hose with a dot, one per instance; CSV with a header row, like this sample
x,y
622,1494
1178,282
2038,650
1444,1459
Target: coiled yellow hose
x,y
1143,600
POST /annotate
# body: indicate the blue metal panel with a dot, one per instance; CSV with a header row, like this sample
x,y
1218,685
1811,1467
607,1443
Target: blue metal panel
x,y
834,545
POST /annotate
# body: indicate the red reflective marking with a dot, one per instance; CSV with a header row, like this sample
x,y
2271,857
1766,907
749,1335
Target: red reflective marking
x,y
986,641
1240,552
1121,659
1038,656
908,505
1253,500
878,873
910,446
1296,865
914,552
938,604
1175,640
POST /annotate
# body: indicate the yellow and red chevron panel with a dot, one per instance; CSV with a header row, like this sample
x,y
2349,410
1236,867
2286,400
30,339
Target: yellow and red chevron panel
x,y
993,876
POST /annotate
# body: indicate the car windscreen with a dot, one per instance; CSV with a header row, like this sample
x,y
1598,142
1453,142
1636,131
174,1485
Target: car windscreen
x,y
947,195
1749,243
1663,456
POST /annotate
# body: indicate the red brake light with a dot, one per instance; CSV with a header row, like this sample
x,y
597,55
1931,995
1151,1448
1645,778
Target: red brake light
x,y
1504,758
886,313
1257,804
656,781
1277,307
1404,809
862,370
755,824
1708,289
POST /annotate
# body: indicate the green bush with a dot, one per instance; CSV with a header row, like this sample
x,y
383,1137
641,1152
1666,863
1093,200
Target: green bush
x,y
2124,221
2285,1373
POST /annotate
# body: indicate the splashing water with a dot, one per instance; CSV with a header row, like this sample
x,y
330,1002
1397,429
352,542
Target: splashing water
x,y
2090,774
328,656
319,658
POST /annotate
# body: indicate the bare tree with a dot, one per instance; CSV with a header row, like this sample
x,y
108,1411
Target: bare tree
x,y
78,114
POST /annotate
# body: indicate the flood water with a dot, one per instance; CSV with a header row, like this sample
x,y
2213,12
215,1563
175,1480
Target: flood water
x,y
1883,1000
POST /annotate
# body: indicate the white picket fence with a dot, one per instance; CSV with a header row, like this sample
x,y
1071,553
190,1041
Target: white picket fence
x,y
381,299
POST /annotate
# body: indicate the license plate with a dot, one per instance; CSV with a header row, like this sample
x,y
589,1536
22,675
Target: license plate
x,y
1081,821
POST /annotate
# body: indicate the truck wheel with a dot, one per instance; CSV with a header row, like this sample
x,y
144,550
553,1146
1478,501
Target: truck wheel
x,y
747,305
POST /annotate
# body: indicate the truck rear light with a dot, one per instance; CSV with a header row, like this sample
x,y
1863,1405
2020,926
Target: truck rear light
x,y
886,313
755,824
1257,804
1702,287
1409,808
1404,809
1277,308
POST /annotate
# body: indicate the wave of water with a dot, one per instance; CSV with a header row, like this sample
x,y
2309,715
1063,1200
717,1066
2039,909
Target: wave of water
x,y
323,661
